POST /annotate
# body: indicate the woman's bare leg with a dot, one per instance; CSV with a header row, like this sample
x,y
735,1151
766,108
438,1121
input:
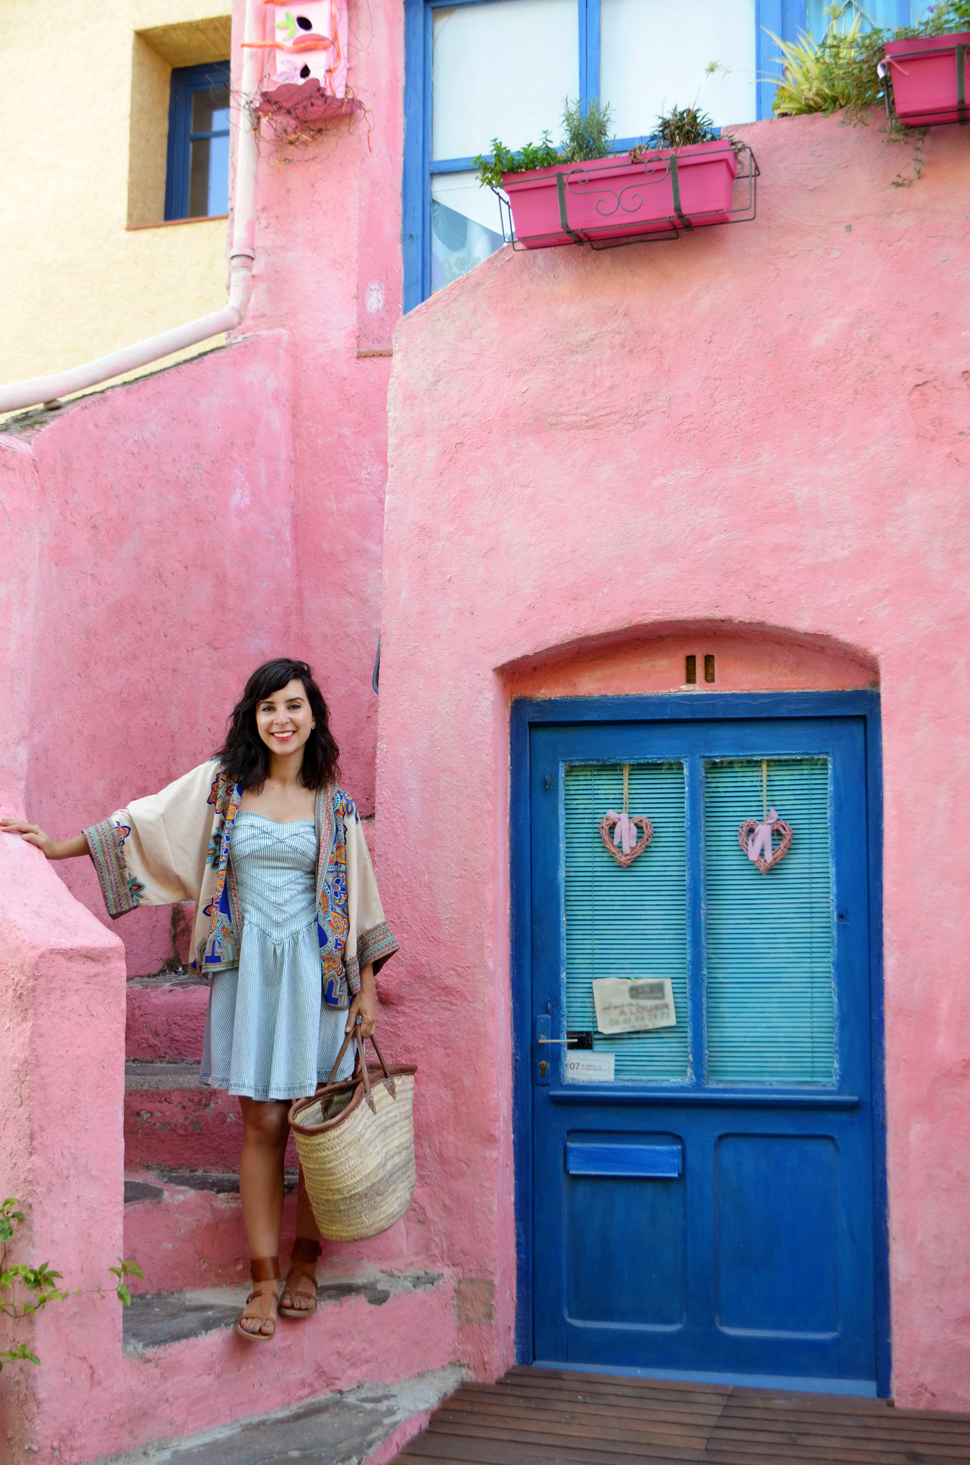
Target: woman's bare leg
x,y
265,1132
300,1298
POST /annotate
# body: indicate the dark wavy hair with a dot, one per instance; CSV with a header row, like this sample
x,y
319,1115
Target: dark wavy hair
x,y
244,755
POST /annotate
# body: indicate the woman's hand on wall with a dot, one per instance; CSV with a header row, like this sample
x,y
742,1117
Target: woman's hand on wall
x,y
66,849
365,1003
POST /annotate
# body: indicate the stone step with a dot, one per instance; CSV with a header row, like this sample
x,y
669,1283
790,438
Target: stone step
x,y
166,1018
156,1319
368,1423
174,1122
184,1228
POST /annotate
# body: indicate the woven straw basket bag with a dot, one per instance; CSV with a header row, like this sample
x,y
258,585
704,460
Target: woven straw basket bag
x,y
356,1145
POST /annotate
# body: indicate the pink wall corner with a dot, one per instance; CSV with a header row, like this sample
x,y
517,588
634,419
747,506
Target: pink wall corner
x,y
761,426
168,572
61,1151
328,267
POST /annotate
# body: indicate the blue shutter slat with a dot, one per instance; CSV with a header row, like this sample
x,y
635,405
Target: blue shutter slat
x,y
629,922
769,941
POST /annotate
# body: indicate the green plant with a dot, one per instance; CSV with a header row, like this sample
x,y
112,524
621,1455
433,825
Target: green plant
x,y
586,131
835,72
682,126
24,1290
839,70
586,135
123,1271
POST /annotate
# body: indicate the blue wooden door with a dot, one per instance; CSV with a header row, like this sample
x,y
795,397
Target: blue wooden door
x,y
708,1207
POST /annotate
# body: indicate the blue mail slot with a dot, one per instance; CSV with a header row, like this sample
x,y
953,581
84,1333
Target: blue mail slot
x,y
651,1162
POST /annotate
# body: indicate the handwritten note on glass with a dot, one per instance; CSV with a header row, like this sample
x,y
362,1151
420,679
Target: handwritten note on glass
x,y
633,1007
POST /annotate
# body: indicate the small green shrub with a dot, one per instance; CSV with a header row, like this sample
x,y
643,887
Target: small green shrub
x,y
839,70
586,132
24,1290
586,135
681,127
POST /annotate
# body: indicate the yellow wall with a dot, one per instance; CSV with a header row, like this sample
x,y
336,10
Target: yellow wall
x,y
84,118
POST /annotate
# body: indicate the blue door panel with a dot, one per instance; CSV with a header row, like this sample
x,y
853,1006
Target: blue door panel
x,y
697,1224
776,1234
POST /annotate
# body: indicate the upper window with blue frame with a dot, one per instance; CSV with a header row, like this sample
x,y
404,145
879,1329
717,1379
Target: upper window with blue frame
x,y
197,176
479,69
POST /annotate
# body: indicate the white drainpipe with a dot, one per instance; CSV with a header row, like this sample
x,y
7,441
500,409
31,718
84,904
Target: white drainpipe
x,y
241,255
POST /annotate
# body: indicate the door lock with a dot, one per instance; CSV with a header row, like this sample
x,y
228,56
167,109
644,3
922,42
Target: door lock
x,y
543,1068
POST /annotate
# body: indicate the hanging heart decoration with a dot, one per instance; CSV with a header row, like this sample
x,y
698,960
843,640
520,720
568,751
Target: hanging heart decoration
x,y
619,834
754,837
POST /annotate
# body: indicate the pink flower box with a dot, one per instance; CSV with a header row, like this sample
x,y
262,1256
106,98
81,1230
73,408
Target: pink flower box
x,y
929,78
614,198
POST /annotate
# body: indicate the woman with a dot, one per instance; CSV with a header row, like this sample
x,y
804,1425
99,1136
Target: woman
x,y
289,926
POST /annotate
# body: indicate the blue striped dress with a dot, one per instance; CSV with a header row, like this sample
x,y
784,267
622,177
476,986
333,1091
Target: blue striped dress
x,y
269,1034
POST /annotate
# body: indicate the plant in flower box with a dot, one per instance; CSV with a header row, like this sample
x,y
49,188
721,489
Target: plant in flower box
x,y
682,178
927,78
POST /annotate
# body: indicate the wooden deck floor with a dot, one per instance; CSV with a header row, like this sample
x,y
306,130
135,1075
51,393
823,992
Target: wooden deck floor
x,y
539,1416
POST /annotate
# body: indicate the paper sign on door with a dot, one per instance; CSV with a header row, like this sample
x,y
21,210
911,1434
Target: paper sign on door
x,y
586,1067
623,1006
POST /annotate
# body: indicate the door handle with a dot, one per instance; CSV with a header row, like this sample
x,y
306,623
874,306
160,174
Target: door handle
x,y
543,1036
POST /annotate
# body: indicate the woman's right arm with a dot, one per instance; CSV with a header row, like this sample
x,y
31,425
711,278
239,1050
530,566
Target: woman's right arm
x,y
66,849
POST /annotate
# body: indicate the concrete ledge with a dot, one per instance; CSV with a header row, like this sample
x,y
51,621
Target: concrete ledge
x,y
339,1429
155,1319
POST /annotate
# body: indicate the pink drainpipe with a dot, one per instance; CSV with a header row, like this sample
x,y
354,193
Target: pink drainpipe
x,y
242,253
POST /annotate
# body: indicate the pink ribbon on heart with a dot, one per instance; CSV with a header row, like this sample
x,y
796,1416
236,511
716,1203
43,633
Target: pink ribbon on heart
x,y
625,835
760,842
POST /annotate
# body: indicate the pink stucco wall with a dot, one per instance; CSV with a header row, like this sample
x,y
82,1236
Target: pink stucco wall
x,y
194,523
751,442
160,539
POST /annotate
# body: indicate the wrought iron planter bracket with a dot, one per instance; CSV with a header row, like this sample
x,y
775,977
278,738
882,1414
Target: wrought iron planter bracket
x,y
885,71
655,169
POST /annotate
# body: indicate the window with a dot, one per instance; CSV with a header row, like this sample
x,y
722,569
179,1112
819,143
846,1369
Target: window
x,y
197,177
478,69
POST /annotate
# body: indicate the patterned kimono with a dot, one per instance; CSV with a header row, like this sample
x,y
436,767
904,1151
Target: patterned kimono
x,y
174,846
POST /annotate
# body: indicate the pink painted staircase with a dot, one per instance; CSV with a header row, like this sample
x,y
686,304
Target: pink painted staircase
x,y
183,1222
183,1226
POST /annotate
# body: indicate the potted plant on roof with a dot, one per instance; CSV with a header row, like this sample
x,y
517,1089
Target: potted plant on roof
x,y
682,178
925,69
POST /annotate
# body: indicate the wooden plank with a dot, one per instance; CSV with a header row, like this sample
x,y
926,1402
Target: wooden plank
x,y
617,1385
609,1398
571,1438
629,1415
492,1451
619,1380
881,1452
848,1427
566,1428
558,1417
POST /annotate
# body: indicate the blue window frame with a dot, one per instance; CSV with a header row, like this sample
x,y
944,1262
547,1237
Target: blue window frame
x,y
441,242
197,177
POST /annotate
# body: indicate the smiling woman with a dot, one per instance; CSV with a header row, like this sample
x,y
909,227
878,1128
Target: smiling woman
x,y
289,927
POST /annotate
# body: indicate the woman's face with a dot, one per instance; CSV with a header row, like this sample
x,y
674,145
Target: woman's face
x,y
284,720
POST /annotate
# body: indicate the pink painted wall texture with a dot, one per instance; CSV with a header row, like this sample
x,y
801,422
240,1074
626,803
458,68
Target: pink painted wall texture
x,y
161,539
194,523
751,442
748,443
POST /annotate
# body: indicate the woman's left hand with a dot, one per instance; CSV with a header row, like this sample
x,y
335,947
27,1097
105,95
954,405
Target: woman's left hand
x,y
364,1004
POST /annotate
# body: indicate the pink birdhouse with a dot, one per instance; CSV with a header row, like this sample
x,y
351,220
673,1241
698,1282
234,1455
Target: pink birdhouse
x,y
306,59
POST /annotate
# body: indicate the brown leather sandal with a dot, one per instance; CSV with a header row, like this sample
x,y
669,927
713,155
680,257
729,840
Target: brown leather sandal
x,y
262,1304
301,1279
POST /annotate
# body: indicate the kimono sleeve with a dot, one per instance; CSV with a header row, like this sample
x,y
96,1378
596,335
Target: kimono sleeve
x,y
370,939
154,852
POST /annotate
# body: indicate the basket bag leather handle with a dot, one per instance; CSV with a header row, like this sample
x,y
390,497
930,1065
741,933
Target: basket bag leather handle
x,y
360,1063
